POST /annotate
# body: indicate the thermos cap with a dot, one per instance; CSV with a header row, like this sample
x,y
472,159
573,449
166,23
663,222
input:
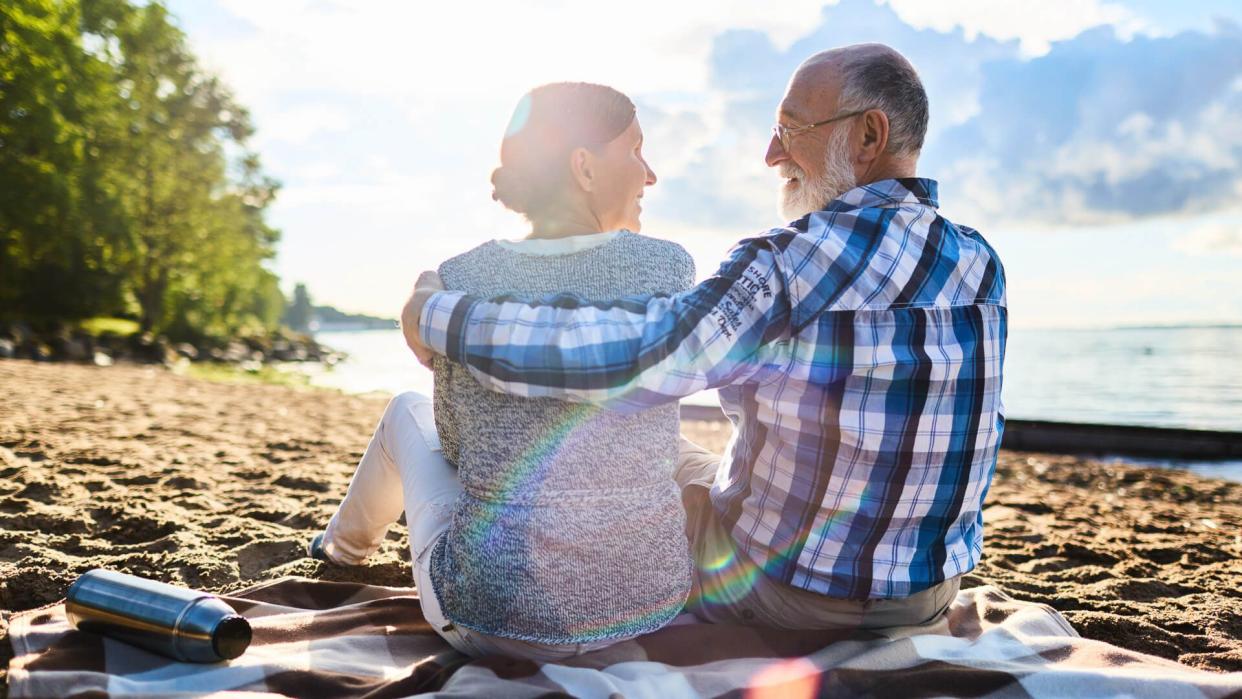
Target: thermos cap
x,y
231,637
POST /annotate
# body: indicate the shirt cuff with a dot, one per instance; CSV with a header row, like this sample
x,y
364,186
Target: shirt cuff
x,y
440,324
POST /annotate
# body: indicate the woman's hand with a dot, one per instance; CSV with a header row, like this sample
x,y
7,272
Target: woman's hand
x,y
428,283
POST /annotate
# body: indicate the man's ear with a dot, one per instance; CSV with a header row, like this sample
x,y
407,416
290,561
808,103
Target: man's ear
x,y
874,135
582,168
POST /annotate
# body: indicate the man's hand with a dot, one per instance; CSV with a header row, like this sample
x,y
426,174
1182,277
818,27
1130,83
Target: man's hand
x,y
428,283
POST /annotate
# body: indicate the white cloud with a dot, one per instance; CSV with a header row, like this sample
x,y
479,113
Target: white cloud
x,y
1035,25
1224,238
1102,129
320,171
1213,141
299,124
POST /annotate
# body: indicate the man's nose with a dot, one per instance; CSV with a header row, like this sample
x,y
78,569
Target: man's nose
x,y
776,153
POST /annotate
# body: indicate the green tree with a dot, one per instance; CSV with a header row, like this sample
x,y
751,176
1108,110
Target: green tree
x,y
300,312
60,235
128,186
198,238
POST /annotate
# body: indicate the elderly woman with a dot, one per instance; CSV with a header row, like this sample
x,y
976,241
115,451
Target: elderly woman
x,y
538,528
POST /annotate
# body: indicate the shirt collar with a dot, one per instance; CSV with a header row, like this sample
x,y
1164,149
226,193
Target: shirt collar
x,y
558,246
887,194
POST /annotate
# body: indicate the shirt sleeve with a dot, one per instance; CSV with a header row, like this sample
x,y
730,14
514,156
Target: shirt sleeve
x,y
627,354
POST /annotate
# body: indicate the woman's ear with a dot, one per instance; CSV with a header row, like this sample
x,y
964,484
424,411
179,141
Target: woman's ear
x,y
582,168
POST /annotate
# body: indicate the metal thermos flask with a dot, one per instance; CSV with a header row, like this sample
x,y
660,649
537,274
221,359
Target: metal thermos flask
x,y
183,624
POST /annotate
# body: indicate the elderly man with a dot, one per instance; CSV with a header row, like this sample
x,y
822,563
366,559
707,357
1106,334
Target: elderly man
x,y
857,350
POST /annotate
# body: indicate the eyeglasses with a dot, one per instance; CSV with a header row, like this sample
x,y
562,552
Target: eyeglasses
x,y
785,133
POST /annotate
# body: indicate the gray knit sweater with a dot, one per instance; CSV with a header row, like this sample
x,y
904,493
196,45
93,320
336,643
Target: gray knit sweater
x,y
570,528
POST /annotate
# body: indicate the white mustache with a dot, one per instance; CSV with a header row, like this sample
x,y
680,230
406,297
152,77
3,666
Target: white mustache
x,y
790,171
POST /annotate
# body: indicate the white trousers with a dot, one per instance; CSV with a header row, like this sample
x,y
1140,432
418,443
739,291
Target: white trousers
x,y
404,469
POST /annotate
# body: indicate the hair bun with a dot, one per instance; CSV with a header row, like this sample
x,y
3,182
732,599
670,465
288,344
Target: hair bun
x,y
497,175
509,189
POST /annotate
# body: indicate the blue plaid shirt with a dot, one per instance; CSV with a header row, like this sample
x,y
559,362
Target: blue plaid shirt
x,y
858,353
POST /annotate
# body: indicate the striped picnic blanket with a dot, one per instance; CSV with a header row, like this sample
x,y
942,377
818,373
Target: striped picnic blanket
x,y
326,639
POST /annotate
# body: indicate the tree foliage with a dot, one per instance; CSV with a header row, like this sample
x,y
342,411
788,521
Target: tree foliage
x,y
127,184
300,312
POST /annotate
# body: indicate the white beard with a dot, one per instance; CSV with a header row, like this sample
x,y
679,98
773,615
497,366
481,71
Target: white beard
x,y
837,179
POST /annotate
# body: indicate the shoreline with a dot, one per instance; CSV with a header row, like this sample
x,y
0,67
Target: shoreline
x,y
219,485
1207,453
106,341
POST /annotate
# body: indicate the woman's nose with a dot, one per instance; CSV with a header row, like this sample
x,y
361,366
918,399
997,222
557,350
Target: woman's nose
x,y
651,176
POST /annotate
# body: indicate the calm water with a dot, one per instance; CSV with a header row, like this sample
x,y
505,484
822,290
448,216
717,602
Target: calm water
x,y
1166,377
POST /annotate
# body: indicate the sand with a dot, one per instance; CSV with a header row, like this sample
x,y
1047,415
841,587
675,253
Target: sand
x,y
218,486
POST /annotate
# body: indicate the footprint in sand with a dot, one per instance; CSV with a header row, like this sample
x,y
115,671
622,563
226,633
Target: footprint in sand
x,y
125,528
203,572
138,480
1149,590
252,474
92,460
184,483
299,483
292,445
39,491
293,520
253,559
54,522
1159,554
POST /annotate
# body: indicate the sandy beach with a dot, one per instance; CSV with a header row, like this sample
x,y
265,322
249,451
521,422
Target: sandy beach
x,y
217,486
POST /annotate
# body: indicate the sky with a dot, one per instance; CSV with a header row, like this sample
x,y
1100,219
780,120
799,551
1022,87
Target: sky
x,y
1097,145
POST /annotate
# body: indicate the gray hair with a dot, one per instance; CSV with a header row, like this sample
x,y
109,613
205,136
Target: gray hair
x,y
886,81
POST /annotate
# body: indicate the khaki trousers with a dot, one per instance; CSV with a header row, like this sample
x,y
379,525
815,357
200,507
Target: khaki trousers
x,y
729,588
